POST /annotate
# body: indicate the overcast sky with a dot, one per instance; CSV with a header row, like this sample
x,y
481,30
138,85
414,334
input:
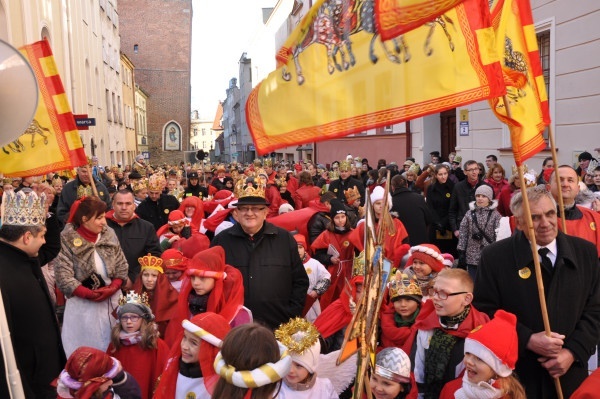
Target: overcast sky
x,y
222,31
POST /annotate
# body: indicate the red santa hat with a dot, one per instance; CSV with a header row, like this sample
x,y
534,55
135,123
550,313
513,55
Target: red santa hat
x,y
174,259
301,240
176,217
427,253
448,259
496,343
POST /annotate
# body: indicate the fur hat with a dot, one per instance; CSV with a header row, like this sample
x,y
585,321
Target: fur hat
x,y
485,190
427,253
393,364
496,343
377,195
302,340
337,207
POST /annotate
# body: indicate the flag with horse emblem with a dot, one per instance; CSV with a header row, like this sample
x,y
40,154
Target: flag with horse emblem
x,y
51,142
527,115
336,77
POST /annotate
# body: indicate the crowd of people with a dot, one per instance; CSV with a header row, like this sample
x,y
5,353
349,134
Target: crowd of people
x,y
240,281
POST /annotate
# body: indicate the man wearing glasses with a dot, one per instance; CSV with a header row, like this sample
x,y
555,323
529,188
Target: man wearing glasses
x,y
462,194
275,282
443,324
506,279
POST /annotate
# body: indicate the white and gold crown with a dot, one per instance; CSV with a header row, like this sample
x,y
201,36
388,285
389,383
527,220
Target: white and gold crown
x,y
401,285
135,298
23,208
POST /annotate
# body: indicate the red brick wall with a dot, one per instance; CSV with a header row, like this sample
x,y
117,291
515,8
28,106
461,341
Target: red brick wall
x,y
163,32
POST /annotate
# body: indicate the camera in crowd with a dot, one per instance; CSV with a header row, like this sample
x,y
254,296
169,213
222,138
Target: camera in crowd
x,y
477,236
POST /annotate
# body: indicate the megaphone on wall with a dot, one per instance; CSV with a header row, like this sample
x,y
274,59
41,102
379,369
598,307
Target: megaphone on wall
x,y
18,93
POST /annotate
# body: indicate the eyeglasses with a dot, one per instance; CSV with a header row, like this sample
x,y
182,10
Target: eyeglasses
x,y
253,209
472,170
133,318
443,295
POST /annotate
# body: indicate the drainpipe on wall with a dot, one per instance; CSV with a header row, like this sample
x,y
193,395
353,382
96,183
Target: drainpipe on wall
x,y
408,139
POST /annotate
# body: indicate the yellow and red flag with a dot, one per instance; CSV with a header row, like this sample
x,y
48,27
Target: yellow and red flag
x,y
52,141
521,66
335,77
395,17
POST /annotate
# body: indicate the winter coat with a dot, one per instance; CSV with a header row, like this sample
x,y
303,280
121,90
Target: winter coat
x,y
487,220
275,282
339,186
506,279
497,187
304,194
413,213
438,201
157,212
68,196
75,262
31,319
462,195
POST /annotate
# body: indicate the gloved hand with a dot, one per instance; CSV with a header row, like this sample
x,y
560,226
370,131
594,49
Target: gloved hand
x,y
462,260
439,227
107,292
85,293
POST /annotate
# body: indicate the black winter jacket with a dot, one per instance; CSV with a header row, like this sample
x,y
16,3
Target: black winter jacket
x,y
157,212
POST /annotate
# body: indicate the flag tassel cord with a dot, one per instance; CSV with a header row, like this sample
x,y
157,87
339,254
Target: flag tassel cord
x,y
536,260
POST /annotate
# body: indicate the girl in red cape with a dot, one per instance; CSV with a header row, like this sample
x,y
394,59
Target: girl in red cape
x,y
193,209
210,286
162,297
190,370
174,264
338,264
135,342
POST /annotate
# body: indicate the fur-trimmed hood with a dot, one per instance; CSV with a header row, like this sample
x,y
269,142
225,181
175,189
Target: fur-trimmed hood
x,y
492,206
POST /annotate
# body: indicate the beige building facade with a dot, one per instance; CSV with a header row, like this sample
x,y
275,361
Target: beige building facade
x,y
128,84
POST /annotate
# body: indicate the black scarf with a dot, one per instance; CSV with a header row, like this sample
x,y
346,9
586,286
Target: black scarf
x,y
190,370
197,303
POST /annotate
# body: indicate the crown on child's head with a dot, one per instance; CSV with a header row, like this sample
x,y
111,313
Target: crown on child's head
x,y
133,297
151,262
298,335
352,194
401,285
358,265
23,208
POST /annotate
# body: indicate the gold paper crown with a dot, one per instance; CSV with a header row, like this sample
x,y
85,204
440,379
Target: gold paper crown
x,y
84,191
457,159
334,175
414,168
358,265
7,180
401,285
140,185
23,208
151,262
528,175
249,188
257,162
298,335
352,194
157,182
135,298
268,162
345,166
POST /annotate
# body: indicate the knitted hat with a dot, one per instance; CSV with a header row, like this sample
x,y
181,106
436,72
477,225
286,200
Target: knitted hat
x,y
427,253
496,343
302,340
136,304
407,163
485,190
174,259
208,263
393,364
301,240
457,159
336,208
377,195
448,259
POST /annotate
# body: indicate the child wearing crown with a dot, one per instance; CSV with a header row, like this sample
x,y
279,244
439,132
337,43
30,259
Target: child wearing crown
x,y
210,286
135,342
162,297
398,317
189,372
176,228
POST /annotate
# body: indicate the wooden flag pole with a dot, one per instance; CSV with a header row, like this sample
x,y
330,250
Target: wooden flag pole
x,y
561,202
94,189
536,259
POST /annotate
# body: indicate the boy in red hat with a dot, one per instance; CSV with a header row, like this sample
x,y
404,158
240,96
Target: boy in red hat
x,y
491,353
424,263
176,229
443,323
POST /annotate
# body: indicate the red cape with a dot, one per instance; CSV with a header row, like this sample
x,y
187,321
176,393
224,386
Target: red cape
x,y
298,220
428,320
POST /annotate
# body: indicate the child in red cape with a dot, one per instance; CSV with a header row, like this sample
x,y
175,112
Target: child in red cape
x,y
174,264
176,229
210,286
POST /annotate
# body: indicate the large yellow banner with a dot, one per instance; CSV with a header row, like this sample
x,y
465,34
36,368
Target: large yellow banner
x,y
336,77
52,142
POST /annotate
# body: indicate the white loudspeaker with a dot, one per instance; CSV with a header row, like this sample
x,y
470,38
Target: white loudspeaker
x,y
18,93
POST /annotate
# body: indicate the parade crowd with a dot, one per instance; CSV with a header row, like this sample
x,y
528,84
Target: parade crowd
x,y
241,281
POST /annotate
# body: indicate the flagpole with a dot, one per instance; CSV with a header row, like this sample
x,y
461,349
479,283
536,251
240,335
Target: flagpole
x,y
94,189
536,259
561,202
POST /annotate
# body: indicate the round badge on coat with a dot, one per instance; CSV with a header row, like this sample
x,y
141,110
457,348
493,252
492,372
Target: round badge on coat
x,y
77,242
308,270
593,226
525,273
166,211
447,195
346,243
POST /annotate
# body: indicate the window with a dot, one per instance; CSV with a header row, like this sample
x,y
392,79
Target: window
x,y
135,48
543,41
108,106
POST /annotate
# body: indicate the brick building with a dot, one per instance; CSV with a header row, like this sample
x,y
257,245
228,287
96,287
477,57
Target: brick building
x,y
157,36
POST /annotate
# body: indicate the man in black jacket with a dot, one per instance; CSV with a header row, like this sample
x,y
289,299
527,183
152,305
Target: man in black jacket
x,y
275,282
75,189
137,236
29,312
157,206
346,181
412,211
506,279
